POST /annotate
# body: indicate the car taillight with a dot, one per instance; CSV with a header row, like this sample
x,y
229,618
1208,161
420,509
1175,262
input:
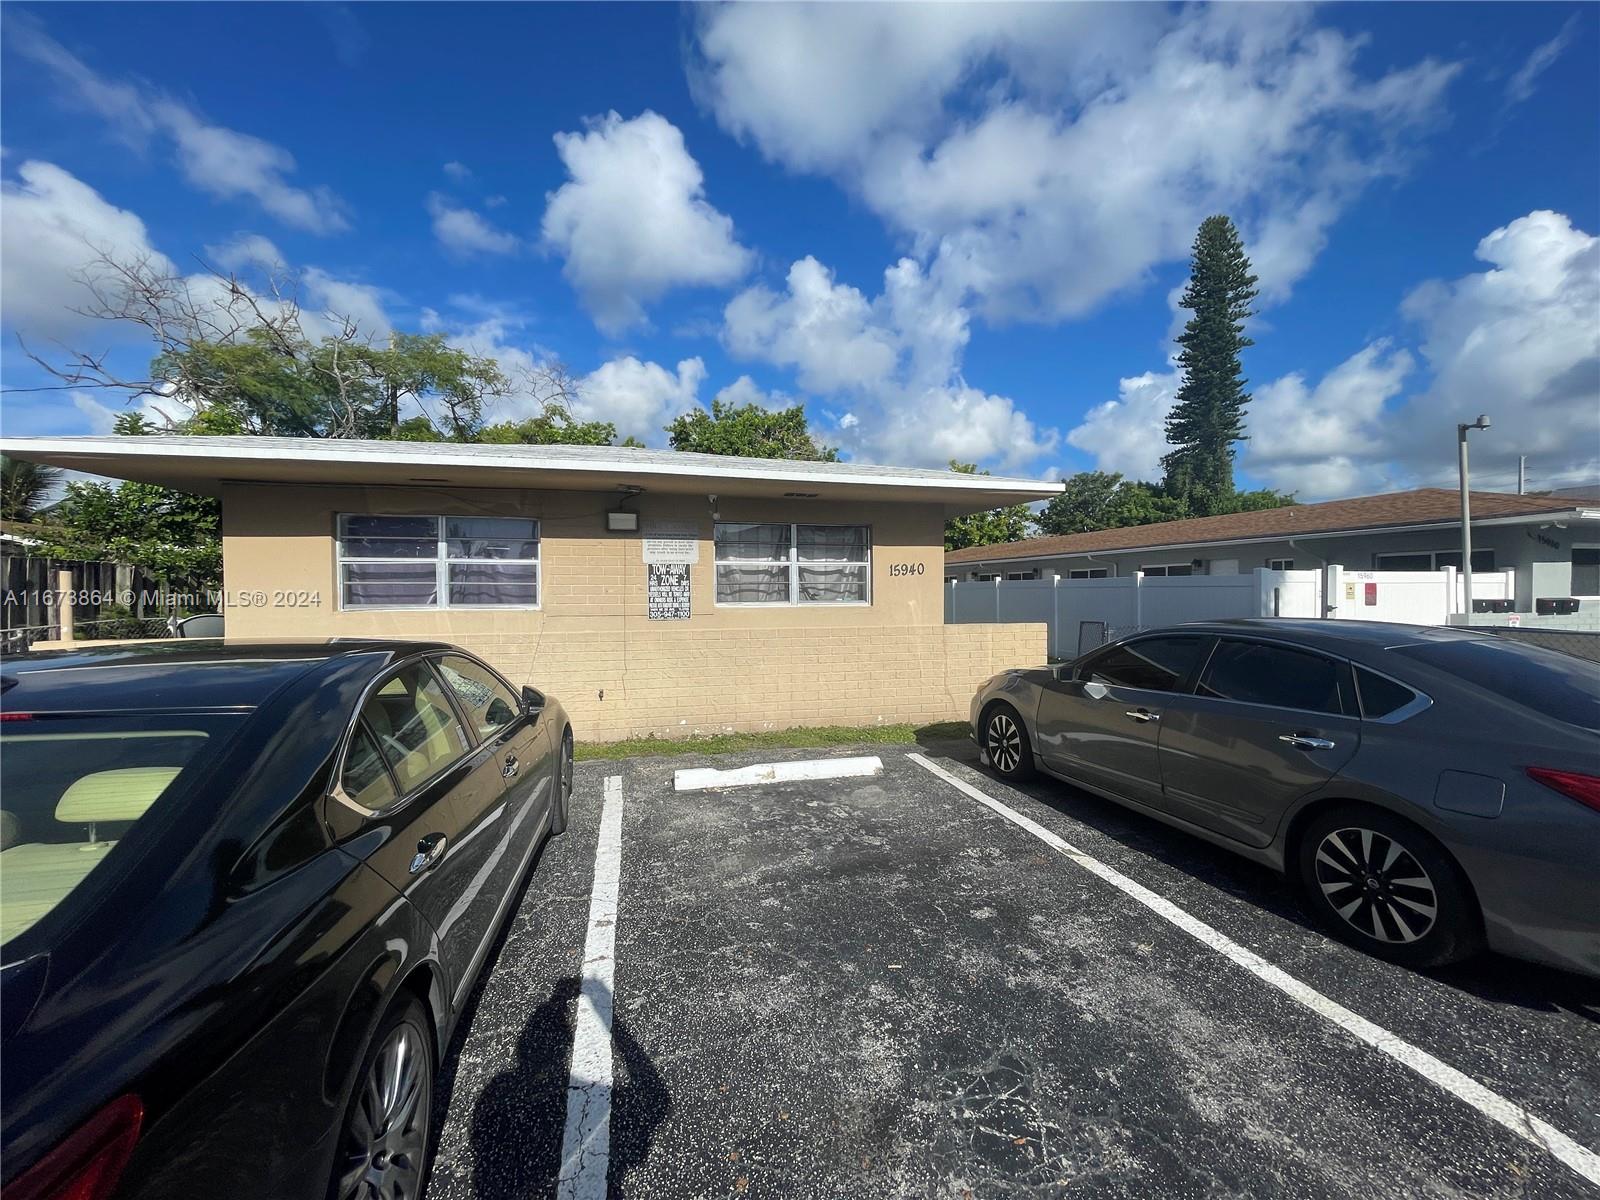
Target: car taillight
x,y
88,1163
16,716
1585,789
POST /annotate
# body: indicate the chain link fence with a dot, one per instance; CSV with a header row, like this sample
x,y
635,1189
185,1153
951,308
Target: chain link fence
x,y
20,638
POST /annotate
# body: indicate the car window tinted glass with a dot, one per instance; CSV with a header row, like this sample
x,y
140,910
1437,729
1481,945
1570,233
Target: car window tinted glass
x,y
365,779
490,705
1255,673
1380,696
1560,686
72,788
1154,664
415,728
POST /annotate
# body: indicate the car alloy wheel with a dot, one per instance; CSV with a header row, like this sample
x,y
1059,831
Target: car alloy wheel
x,y
565,773
1003,740
386,1136
1376,885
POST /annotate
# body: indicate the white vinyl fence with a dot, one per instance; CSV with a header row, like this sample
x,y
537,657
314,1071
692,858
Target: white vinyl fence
x,y
1411,597
1084,613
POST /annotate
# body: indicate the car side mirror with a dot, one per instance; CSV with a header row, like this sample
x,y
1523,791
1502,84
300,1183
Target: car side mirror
x,y
532,701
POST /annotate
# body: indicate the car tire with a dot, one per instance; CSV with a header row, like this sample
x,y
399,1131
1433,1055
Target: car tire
x,y
1382,884
562,807
1005,743
383,1143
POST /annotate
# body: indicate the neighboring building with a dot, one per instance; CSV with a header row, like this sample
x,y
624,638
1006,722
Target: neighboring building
x,y
1552,542
653,591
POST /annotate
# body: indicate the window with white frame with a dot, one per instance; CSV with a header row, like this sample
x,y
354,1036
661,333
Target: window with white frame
x,y
1019,576
1159,569
438,562
764,563
1089,573
1280,564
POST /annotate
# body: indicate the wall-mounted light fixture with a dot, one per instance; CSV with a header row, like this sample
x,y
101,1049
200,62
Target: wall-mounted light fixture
x,y
623,519
715,515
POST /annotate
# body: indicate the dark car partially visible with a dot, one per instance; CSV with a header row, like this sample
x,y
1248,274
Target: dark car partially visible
x,y
1430,791
244,893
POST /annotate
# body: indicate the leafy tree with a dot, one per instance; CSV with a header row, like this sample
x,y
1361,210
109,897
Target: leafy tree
x,y
554,426
1261,498
24,486
1208,416
231,358
1105,500
1010,524
750,431
173,535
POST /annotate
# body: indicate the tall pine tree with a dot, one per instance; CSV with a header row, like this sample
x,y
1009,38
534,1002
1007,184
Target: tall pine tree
x,y
1208,415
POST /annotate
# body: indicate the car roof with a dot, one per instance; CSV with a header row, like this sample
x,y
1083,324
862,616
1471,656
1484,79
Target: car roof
x,y
1334,634
178,674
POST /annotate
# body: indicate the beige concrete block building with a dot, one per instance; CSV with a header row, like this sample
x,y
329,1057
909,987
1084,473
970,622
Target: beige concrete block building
x,y
654,592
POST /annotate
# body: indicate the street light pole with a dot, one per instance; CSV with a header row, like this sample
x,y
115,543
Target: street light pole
x,y
1466,513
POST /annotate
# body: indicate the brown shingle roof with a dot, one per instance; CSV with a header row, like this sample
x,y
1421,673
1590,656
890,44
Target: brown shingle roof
x,y
1420,507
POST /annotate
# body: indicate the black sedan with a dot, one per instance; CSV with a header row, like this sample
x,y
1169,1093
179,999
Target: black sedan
x,y
244,893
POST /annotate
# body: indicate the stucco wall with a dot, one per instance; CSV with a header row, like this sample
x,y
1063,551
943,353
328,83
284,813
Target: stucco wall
x,y
591,642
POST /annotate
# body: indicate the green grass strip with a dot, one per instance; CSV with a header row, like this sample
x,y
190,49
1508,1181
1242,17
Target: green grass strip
x,y
778,739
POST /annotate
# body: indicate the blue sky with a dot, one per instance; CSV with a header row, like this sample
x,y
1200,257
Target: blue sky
x,y
950,231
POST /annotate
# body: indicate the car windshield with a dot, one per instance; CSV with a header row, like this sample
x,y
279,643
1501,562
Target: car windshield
x,y
72,787
1555,685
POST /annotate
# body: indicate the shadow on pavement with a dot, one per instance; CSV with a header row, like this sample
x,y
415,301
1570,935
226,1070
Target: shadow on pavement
x,y
518,1120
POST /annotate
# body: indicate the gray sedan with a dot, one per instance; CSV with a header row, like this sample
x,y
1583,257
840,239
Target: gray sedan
x,y
1430,791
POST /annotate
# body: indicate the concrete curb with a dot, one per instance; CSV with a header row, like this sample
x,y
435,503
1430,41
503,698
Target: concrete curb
x,y
699,778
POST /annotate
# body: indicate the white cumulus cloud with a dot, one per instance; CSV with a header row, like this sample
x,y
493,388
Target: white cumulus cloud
x,y
1047,157
1129,434
639,398
745,390
464,233
633,222
889,366
247,251
1519,341
55,228
1331,439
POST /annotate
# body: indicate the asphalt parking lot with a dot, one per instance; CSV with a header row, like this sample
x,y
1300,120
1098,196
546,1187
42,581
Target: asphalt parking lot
x,y
883,987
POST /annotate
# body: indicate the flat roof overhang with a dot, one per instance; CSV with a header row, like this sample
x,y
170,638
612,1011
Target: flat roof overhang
x,y
204,464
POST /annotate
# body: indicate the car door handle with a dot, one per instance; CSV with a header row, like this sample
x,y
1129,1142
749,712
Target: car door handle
x,y
1142,714
429,851
1302,741
511,768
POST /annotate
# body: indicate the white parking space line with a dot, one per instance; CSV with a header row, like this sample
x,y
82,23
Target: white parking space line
x,y
586,1140
1491,1104
697,778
